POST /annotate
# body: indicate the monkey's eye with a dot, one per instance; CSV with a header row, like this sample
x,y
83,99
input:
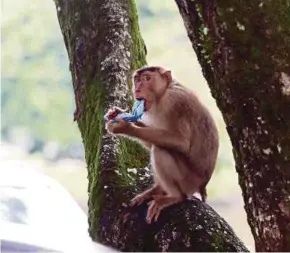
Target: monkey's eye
x,y
146,78
137,80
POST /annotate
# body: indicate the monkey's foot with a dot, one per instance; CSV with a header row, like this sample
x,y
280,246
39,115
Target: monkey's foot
x,y
139,199
159,203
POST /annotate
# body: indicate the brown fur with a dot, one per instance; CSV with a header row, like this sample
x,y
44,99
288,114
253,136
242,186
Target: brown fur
x,y
181,112
181,135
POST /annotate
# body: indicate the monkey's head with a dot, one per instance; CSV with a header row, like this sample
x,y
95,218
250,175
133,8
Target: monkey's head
x,y
150,84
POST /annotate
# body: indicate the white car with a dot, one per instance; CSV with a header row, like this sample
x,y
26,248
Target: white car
x,y
39,215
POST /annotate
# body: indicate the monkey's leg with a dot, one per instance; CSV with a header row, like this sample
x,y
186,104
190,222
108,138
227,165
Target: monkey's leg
x,y
169,175
153,191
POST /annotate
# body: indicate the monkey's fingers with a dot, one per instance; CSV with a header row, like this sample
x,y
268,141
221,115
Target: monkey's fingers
x,y
149,211
109,127
137,200
152,211
157,215
119,110
112,115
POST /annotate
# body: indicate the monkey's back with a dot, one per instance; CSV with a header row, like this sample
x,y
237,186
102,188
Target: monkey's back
x,y
204,141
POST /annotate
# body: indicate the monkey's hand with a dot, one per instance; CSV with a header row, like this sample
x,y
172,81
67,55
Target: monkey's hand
x,y
121,127
113,113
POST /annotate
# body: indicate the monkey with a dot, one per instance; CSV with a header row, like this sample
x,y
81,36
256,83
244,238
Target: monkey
x,y
180,133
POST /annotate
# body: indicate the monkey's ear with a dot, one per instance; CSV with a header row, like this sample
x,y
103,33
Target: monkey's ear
x,y
168,76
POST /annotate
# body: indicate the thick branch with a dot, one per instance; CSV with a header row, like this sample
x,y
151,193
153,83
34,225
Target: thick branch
x,y
244,51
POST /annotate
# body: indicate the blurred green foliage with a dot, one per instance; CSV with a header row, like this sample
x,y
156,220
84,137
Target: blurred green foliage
x,y
37,93
36,89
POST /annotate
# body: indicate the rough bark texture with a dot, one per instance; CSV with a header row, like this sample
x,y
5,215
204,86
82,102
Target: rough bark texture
x,y
244,50
104,46
189,227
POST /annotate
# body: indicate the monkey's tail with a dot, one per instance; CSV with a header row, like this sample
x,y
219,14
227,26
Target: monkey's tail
x,y
203,192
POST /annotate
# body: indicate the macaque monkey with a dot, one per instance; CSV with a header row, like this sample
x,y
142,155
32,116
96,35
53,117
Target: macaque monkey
x,y
180,133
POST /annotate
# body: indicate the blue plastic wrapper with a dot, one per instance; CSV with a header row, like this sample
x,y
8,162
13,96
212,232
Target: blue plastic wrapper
x,y
137,112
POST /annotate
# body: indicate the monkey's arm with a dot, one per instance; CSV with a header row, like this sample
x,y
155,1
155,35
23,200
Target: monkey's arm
x,y
140,124
161,137
146,144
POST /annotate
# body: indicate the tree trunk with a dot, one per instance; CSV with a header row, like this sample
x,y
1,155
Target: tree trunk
x,y
104,46
244,50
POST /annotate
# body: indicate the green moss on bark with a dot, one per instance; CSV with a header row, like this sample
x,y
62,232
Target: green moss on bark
x,y
92,131
94,105
96,35
131,154
138,47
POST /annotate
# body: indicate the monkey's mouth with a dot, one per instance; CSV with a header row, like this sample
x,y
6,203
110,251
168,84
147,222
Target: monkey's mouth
x,y
145,102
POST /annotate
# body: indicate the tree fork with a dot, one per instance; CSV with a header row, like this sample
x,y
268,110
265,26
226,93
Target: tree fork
x,y
104,46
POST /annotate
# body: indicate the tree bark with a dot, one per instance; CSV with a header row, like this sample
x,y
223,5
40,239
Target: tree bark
x,y
104,46
244,51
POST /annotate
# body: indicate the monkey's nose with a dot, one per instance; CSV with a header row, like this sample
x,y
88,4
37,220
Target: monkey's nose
x,y
137,91
138,86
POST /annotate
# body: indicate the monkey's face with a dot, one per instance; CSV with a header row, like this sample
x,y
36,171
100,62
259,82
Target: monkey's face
x,y
150,86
